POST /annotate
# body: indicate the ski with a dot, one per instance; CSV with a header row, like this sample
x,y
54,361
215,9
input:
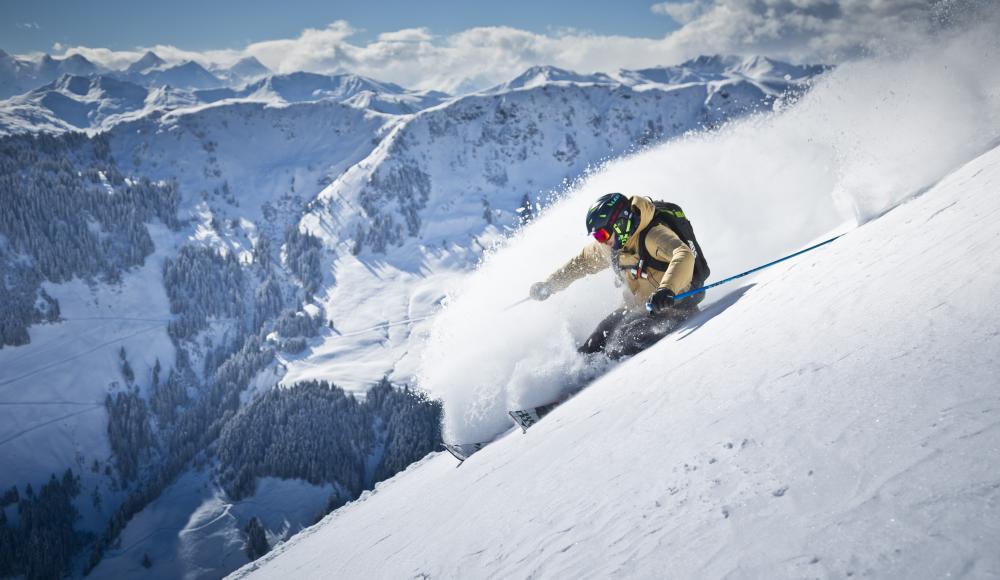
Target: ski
x,y
525,418
462,451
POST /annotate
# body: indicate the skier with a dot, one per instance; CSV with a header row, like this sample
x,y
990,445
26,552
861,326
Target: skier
x,y
652,261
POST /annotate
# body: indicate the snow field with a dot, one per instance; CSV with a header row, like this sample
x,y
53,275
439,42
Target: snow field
x,y
193,530
52,390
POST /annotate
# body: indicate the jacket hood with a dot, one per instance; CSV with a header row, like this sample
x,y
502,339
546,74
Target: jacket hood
x,y
644,206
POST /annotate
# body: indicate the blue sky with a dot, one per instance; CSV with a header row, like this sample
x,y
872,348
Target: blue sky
x,y
219,24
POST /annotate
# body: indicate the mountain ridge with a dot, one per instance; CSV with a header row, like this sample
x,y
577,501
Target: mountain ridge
x,y
249,79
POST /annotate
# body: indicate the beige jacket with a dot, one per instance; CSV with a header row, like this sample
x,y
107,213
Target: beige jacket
x,y
661,243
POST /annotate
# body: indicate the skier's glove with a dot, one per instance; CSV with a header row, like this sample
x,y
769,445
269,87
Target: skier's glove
x,y
540,291
660,301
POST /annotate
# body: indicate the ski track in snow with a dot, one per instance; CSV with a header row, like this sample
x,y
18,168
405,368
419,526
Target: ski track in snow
x,y
23,432
48,366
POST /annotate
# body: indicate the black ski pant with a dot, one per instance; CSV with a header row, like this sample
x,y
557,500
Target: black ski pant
x,y
626,332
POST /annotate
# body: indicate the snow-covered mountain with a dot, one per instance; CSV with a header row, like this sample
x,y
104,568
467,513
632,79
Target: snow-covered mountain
x,y
537,76
244,71
728,85
187,75
719,68
358,91
99,102
147,62
19,75
74,102
501,145
835,418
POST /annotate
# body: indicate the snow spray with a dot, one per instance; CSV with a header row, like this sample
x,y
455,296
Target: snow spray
x,y
868,136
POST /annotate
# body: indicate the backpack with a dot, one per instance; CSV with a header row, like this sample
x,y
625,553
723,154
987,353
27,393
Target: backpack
x,y
672,216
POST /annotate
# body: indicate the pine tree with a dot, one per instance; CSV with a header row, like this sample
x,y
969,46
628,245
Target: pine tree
x,y
487,211
525,212
256,542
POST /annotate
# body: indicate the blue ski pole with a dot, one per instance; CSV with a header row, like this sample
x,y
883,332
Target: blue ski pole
x,y
683,295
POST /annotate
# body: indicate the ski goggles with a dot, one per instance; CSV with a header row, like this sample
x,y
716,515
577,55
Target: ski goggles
x,y
605,233
602,235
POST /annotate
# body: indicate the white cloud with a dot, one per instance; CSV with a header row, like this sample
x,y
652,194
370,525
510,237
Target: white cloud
x,y
28,26
406,35
817,30
316,50
681,12
827,31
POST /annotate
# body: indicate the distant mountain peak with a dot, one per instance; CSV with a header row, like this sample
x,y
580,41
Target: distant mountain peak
x,y
149,61
305,86
248,68
250,61
76,58
539,75
188,75
78,64
721,67
555,74
188,65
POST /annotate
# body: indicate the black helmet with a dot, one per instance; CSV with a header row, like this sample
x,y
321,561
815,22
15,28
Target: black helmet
x,y
611,218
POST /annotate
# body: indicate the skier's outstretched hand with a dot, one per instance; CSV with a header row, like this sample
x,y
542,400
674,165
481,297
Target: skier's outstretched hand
x,y
540,291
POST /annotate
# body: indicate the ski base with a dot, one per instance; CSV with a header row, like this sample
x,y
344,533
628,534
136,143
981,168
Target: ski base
x,y
462,451
525,418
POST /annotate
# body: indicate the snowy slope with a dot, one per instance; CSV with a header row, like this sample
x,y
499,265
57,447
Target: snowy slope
x,y
193,530
532,139
262,180
267,154
837,417
52,391
77,102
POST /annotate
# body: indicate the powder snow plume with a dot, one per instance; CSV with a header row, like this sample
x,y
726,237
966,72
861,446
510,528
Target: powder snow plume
x,y
868,136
